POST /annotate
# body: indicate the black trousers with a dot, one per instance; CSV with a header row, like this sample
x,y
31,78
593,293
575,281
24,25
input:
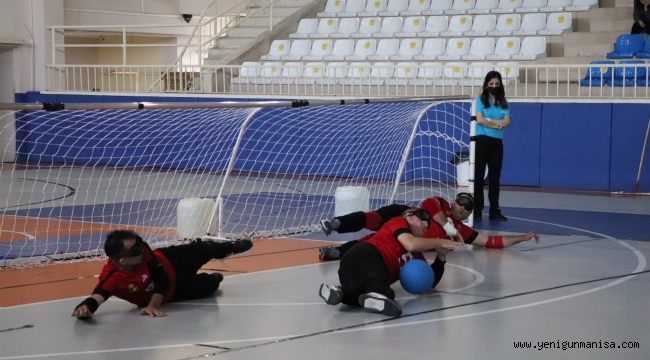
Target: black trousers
x,y
489,151
362,270
187,259
356,221
637,29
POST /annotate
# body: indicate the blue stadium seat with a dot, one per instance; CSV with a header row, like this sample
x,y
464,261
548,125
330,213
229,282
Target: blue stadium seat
x,y
627,76
645,53
626,46
598,73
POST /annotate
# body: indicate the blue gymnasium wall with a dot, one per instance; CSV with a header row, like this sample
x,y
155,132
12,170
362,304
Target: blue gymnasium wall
x,y
581,146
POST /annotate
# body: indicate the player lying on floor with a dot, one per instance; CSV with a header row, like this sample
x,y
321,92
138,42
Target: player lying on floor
x,y
449,216
148,278
373,263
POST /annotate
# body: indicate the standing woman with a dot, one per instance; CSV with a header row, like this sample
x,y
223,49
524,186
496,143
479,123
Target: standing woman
x,y
492,116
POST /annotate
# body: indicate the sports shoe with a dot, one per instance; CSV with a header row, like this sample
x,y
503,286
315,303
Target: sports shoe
x,y
326,226
497,216
380,303
327,253
241,245
331,294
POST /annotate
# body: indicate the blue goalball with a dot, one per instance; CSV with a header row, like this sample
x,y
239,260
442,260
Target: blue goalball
x,y
416,276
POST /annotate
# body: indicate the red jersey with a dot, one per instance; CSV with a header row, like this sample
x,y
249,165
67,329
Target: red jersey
x,y
391,250
435,205
136,286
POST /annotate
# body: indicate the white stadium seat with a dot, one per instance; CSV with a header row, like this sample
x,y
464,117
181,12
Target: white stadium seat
x,y
385,49
505,48
394,7
456,48
484,7
381,72
408,48
374,7
319,49
347,27
326,26
313,71
509,72
305,27
458,24
352,8
532,47
291,72
249,71
368,27
416,7
438,7
435,25
531,5
507,6
359,73
482,25
413,25
299,48
431,49
461,7
582,5
332,7
476,74
506,24
334,72
555,5
270,73
557,23
405,73
340,50
362,49
480,48
278,48
452,74
428,73
531,23
389,27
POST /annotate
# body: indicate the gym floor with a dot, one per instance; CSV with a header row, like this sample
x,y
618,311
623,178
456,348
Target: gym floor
x,y
580,293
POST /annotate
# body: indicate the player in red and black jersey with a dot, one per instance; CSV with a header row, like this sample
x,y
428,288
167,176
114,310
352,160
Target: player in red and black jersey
x,y
148,278
372,264
449,217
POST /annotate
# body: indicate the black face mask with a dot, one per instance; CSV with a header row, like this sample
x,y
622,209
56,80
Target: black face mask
x,y
493,90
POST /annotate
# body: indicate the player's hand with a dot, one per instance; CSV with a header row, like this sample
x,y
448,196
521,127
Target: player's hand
x,y
82,312
459,239
445,246
530,235
152,311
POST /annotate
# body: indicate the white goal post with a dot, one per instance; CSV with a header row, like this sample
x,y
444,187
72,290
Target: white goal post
x,y
271,168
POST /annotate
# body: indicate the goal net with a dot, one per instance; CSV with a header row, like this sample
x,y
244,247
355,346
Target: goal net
x,y
271,169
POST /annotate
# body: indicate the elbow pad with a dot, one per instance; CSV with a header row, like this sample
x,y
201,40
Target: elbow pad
x,y
449,228
494,242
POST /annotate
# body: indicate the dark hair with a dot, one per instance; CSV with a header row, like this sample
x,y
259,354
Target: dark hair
x,y
114,244
500,96
465,200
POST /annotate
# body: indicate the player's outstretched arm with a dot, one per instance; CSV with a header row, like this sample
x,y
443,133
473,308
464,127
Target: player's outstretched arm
x,y
87,308
499,241
413,243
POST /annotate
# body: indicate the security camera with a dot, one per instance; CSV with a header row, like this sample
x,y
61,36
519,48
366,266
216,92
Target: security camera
x,y
187,17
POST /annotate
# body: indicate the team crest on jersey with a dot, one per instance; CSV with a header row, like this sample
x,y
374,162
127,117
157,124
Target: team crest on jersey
x,y
133,288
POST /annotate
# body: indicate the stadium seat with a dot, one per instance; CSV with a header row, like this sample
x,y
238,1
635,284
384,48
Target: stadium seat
x,y
431,49
394,7
389,27
531,23
305,28
416,7
531,6
362,49
461,7
374,7
359,73
385,49
352,8
381,72
368,27
438,7
332,8
480,48
347,27
458,24
505,48
557,23
598,73
314,71
270,73
413,25
326,26
428,73
532,48
291,72
555,5
506,24
645,52
435,25
484,6
452,74
334,72
626,46
507,6
476,74
278,49
404,74
341,49
408,48
509,72
456,48
482,25
582,5
249,71
627,76
299,48
319,49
